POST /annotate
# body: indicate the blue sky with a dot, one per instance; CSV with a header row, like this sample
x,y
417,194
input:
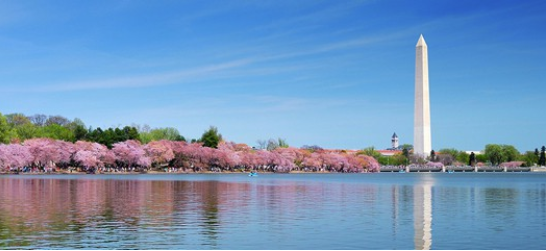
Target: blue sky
x,y
338,74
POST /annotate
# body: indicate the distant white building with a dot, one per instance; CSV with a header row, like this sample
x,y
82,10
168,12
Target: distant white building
x,y
388,152
475,152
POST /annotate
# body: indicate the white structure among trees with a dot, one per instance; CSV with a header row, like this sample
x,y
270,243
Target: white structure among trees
x,y
394,141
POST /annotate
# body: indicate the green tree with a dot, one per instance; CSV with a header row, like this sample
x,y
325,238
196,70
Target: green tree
x,y
282,143
129,132
501,153
105,137
481,158
21,127
370,151
6,132
530,158
394,160
168,133
509,153
384,160
77,127
494,154
56,131
211,137
27,131
450,151
463,157
111,136
400,160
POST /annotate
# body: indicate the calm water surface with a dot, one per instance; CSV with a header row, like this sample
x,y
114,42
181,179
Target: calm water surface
x,y
274,211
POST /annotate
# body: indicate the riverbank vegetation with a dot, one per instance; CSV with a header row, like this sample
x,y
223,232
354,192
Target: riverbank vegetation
x,y
493,155
50,155
45,144
48,143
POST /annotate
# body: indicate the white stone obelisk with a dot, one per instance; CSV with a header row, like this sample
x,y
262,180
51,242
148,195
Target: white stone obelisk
x,y
421,131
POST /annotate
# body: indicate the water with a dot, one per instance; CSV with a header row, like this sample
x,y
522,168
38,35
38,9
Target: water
x,y
274,211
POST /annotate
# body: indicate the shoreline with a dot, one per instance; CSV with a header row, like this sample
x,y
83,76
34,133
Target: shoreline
x,y
535,170
154,173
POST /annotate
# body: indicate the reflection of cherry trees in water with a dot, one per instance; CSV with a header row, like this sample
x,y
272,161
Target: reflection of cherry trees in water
x,y
174,156
36,210
210,221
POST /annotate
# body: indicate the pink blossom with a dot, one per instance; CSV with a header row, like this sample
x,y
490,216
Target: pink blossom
x,y
91,154
435,164
44,151
512,164
131,153
87,159
160,152
14,156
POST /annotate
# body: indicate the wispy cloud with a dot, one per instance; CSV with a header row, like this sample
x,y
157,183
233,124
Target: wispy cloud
x,y
144,80
245,66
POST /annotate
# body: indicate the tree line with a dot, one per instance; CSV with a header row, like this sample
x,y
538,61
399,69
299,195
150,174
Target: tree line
x,y
47,143
47,155
18,127
493,155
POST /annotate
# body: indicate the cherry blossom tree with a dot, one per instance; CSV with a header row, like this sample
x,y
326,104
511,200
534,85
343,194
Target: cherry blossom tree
x,y
181,157
92,155
48,153
130,153
66,151
160,152
227,159
312,161
87,159
191,156
45,152
512,164
371,164
293,155
14,156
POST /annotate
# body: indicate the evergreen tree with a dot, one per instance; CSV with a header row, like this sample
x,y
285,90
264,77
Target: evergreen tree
x,y
537,154
542,159
472,160
211,137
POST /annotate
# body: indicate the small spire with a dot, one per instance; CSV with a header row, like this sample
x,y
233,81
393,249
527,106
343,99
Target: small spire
x,y
421,42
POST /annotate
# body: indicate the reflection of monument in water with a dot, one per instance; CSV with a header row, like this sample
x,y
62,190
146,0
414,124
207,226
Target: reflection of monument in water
x,y
422,216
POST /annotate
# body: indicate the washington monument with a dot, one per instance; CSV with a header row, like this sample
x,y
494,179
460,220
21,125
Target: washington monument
x,y
421,128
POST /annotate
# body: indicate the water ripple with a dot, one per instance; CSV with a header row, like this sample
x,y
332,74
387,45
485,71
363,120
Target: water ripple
x,y
383,211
